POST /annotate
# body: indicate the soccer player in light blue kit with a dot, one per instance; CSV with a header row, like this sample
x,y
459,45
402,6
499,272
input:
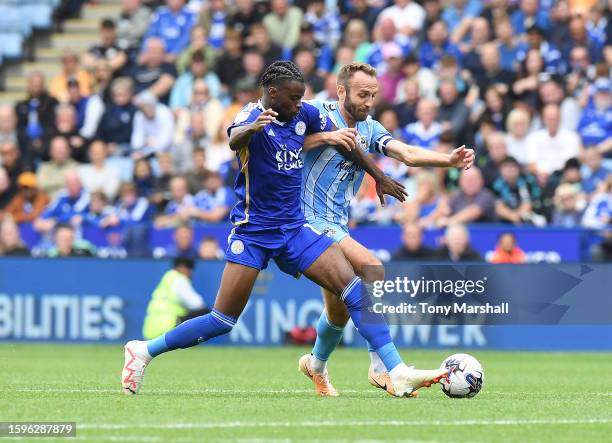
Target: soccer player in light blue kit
x,y
330,182
268,138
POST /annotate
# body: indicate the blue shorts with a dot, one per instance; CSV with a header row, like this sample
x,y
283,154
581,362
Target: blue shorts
x,y
293,249
335,231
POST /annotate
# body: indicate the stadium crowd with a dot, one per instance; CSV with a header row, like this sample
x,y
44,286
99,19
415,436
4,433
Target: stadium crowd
x,y
132,133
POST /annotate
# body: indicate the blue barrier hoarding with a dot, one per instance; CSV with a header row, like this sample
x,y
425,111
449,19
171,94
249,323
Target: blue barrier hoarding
x,y
91,300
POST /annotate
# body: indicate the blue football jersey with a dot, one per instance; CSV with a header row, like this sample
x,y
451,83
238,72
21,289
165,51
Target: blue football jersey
x,y
331,180
269,181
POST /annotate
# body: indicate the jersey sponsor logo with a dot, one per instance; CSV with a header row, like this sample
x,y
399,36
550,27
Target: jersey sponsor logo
x,y
237,247
348,170
300,128
287,160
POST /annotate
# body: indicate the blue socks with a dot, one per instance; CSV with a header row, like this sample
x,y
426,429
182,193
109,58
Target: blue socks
x,y
371,326
192,332
328,337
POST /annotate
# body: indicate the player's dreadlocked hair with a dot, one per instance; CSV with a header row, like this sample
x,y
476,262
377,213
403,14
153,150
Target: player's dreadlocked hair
x,y
281,70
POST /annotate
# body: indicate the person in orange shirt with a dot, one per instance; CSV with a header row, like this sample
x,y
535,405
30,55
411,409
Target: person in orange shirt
x,y
30,202
70,71
507,250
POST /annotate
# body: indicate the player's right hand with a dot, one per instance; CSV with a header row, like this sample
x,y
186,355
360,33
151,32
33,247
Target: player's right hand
x,y
345,137
264,119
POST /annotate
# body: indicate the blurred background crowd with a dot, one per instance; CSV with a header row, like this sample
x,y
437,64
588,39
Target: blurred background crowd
x,y
131,134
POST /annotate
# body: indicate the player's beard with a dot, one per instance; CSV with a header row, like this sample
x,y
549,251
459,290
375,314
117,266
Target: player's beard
x,y
353,110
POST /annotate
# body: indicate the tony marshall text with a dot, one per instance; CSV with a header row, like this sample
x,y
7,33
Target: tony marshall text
x,y
427,308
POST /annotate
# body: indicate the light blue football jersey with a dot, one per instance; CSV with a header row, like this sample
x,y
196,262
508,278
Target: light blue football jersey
x,y
330,181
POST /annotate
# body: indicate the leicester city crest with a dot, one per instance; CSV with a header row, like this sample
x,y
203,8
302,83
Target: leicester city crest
x,y
300,128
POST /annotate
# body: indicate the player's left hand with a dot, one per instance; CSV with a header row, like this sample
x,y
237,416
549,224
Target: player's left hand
x,y
462,158
388,186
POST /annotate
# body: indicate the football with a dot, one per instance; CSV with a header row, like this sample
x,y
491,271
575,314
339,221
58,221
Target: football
x,y
465,378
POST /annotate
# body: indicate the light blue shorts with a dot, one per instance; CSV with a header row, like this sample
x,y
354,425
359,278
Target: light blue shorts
x,y
335,231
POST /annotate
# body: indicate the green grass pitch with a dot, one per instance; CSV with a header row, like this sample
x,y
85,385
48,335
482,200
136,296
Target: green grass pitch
x,y
256,394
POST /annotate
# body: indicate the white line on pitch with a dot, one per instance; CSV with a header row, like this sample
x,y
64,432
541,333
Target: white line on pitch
x,y
186,391
288,424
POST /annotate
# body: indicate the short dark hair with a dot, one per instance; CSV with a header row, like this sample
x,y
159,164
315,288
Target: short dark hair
x,y
509,160
107,23
187,262
281,70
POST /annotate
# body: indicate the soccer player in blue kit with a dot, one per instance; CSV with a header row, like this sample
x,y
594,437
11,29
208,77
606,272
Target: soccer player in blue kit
x,y
330,182
268,138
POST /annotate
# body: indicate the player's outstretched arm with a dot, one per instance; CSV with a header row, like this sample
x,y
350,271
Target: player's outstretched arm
x,y
241,135
461,158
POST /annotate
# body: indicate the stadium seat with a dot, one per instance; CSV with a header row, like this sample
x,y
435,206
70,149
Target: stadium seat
x,y
14,30
39,13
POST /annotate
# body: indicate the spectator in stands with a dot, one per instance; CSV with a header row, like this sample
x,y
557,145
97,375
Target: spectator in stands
x,y
253,66
68,207
386,32
549,148
426,131
70,71
213,203
172,25
389,80
209,249
8,124
66,245
197,125
551,92
595,125
307,63
213,17
507,251
88,111
453,114
496,153
517,195
492,73
153,127
229,64
560,15
197,171
197,44
529,14
356,37
10,159
259,40
35,118
103,76
180,207
598,214
99,211
436,46
472,203
7,192
471,45
427,204
51,175
181,94
325,22
567,211
30,202
245,17
407,105
579,37
107,48
508,44
131,208
517,124
412,248
594,172
11,243
153,73
66,127
407,15
460,11
132,25
496,109
457,246
388,118
283,23
525,88
97,175
183,245
115,126
362,10
551,56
